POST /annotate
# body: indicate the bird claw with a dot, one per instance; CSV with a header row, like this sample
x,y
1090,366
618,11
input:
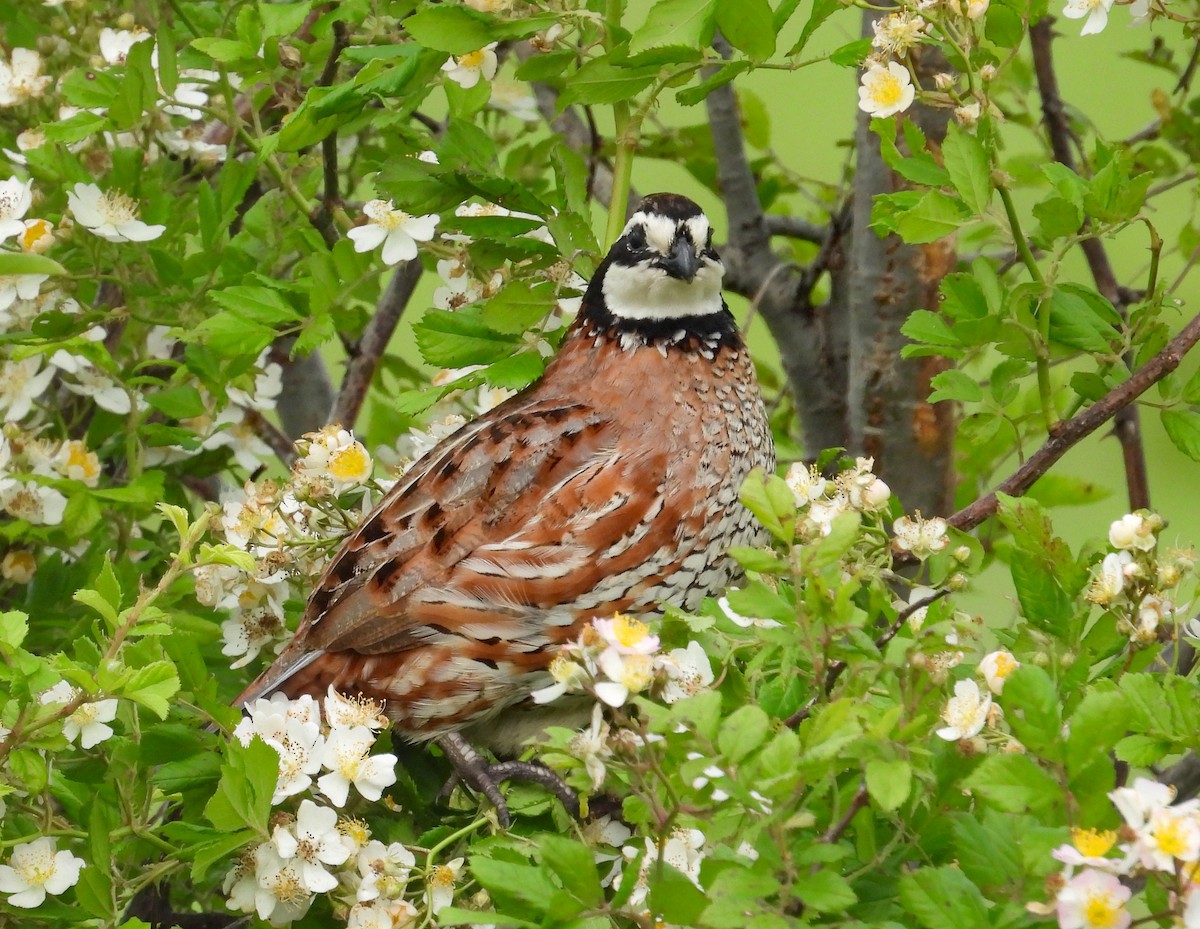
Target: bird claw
x,y
471,769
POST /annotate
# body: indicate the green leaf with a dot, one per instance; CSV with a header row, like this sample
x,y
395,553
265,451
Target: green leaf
x,y
153,686
219,850
260,304
12,263
1064,490
97,602
888,782
686,23
935,216
600,81
742,732
927,326
14,626
1081,318
1097,724
825,891
223,50
690,96
1057,216
454,29
969,168
749,25
181,402
919,166
765,497
673,897
943,898
574,865
455,340
955,385
518,307
1043,601
1142,751
1013,783
525,885
1183,429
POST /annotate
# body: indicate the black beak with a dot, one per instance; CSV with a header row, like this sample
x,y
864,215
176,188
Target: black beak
x,y
683,262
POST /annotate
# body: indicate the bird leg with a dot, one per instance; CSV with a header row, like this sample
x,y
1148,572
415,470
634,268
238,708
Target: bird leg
x,y
473,770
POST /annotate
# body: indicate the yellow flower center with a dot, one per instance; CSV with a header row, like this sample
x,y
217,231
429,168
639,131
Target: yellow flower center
x,y
885,89
473,60
1092,842
1170,838
563,669
628,631
117,208
637,672
351,463
35,232
442,876
1101,911
1006,664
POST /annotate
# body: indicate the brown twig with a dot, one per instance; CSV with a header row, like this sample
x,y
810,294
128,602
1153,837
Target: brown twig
x,y
1078,427
837,668
794,227
1127,427
366,352
266,430
857,802
329,154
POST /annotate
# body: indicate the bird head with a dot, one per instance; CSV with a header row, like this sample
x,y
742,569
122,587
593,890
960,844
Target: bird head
x,y
663,266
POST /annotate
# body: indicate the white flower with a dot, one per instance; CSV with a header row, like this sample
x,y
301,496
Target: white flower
x,y
896,33
249,632
996,667
36,236
516,100
34,503
886,91
279,893
21,78
466,70
89,723
116,43
389,914
395,230
805,483
334,455
62,692
1132,531
111,215
349,712
76,462
234,429
921,537
268,385
439,886
383,870
1172,834
862,489
976,8
348,757
626,635
35,869
1096,12
965,713
1137,803
1152,612
94,384
292,728
19,567
15,287
15,199
569,676
22,382
688,672
1093,900
1088,848
591,747
1110,579
314,841
627,674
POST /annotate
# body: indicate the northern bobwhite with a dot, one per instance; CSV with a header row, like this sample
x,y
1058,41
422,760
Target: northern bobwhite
x,y
611,484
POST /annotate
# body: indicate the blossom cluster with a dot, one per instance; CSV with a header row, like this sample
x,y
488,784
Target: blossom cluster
x,y
1158,840
1137,583
173,120
618,658
821,500
316,850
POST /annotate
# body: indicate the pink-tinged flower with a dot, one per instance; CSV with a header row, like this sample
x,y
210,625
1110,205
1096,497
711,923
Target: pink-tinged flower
x,y
1093,900
627,635
1089,848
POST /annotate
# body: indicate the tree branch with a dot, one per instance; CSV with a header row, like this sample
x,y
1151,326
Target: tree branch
x,y
329,154
794,227
1127,427
366,352
1078,427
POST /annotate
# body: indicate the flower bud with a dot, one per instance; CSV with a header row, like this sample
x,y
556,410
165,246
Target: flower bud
x,y
944,80
962,554
988,72
290,57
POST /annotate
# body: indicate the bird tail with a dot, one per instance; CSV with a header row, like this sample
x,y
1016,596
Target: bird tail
x,y
285,675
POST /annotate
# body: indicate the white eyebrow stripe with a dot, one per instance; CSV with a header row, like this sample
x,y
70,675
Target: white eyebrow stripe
x,y
699,228
660,231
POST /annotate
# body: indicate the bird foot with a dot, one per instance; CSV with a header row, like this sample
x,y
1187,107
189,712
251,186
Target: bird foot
x,y
477,773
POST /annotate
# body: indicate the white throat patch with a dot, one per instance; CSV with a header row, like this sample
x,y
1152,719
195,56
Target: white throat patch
x,y
642,292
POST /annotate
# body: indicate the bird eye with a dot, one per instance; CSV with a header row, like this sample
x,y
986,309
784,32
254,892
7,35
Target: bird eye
x,y
636,238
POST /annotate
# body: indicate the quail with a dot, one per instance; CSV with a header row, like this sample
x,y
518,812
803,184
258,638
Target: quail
x,y
610,484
